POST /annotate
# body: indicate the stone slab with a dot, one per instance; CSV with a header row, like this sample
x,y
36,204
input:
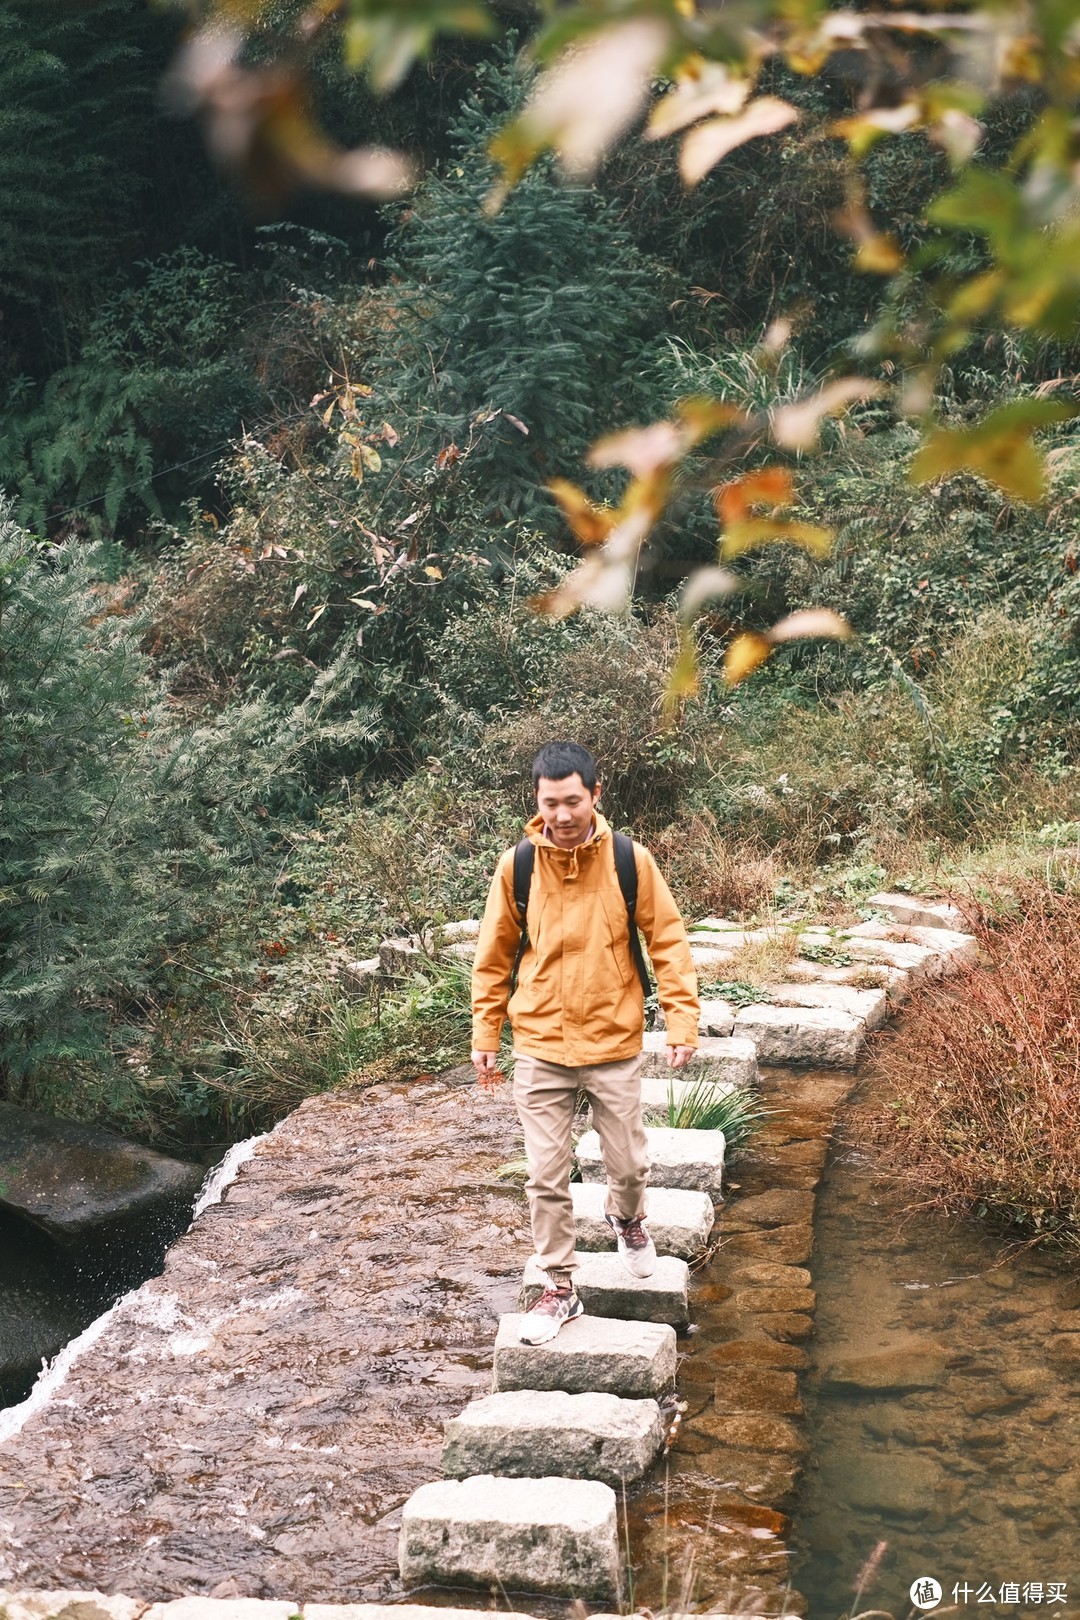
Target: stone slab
x,y
400,956
531,1535
894,981
635,1359
359,979
533,1433
680,1220
234,1608
658,1094
607,1288
872,1006
730,1059
951,949
918,961
821,1035
392,1611
677,1158
915,912
68,1605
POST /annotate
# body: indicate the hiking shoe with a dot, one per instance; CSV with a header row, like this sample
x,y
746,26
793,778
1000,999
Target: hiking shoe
x,y
637,1251
547,1314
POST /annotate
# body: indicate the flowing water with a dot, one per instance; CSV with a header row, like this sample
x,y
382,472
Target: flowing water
x,y
943,1411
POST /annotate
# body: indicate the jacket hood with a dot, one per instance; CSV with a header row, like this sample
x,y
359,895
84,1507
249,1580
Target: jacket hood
x,y
534,831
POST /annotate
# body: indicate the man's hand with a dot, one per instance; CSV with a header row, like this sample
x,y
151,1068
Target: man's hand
x,y
678,1056
488,1074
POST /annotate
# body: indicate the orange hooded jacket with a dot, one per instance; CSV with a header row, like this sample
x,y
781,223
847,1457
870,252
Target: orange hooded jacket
x,y
578,999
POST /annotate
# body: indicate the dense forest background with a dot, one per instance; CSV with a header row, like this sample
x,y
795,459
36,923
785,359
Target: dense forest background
x,y
275,510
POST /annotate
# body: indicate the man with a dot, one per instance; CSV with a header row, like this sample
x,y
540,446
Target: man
x,y
577,1015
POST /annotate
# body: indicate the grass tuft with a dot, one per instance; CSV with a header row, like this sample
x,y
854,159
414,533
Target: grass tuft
x,y
738,1113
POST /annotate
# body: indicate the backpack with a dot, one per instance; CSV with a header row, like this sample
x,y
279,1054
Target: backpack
x,y
625,871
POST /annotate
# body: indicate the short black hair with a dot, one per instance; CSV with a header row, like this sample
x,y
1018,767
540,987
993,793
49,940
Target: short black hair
x,y
557,760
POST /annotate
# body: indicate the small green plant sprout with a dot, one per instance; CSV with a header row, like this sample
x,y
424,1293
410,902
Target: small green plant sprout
x,y
825,955
737,992
705,1107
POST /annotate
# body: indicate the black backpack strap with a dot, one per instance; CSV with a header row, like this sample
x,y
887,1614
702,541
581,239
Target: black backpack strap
x,y
626,872
524,857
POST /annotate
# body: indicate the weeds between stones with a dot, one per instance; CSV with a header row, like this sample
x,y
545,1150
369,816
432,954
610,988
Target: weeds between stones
x,y
738,1113
983,1074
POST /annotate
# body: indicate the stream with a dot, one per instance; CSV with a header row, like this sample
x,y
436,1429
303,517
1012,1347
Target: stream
x,y
942,1408
941,1415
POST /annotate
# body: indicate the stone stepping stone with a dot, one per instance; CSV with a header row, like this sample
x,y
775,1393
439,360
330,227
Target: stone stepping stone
x,y
953,949
535,1433
918,961
677,1158
635,1359
607,1288
679,1220
822,1035
894,981
526,1535
729,1060
914,912
657,1093
872,1006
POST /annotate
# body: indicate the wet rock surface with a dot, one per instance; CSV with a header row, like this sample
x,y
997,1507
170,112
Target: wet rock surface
x,y
261,1411
75,1183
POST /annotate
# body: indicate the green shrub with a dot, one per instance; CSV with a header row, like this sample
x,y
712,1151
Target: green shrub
x,y
705,1107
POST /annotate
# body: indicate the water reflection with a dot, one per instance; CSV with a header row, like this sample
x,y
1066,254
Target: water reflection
x,y
942,1408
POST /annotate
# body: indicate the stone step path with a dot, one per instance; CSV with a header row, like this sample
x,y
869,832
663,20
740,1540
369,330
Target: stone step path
x,y
609,1355
607,1289
535,1535
536,1433
680,1219
583,1409
678,1158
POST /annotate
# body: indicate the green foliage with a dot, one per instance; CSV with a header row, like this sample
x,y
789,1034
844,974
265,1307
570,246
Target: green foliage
x,y
734,991
706,1107
158,378
514,338
126,833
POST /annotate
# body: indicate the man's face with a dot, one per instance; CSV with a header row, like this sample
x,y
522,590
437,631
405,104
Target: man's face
x,y
566,805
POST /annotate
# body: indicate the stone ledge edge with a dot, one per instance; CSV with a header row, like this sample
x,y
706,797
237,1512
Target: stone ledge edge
x,y
65,1604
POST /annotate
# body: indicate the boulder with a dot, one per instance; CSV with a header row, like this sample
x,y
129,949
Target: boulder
x,y
911,1366
535,1433
75,1182
65,1605
528,1535
635,1359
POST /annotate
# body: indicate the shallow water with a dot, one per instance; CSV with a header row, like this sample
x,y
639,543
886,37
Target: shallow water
x,y
942,1409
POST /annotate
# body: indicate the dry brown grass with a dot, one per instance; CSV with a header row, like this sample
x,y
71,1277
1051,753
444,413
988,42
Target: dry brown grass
x,y
983,1076
712,875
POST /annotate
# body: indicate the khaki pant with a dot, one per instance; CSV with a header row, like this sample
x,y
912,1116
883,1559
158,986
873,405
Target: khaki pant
x,y
544,1095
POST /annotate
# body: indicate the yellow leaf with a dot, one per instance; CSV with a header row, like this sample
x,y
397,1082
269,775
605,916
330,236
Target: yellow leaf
x,y
703,585
753,532
769,486
1007,459
432,572
641,450
371,457
707,143
591,524
356,466
586,99
879,254
810,622
743,655
703,88
796,427
684,681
